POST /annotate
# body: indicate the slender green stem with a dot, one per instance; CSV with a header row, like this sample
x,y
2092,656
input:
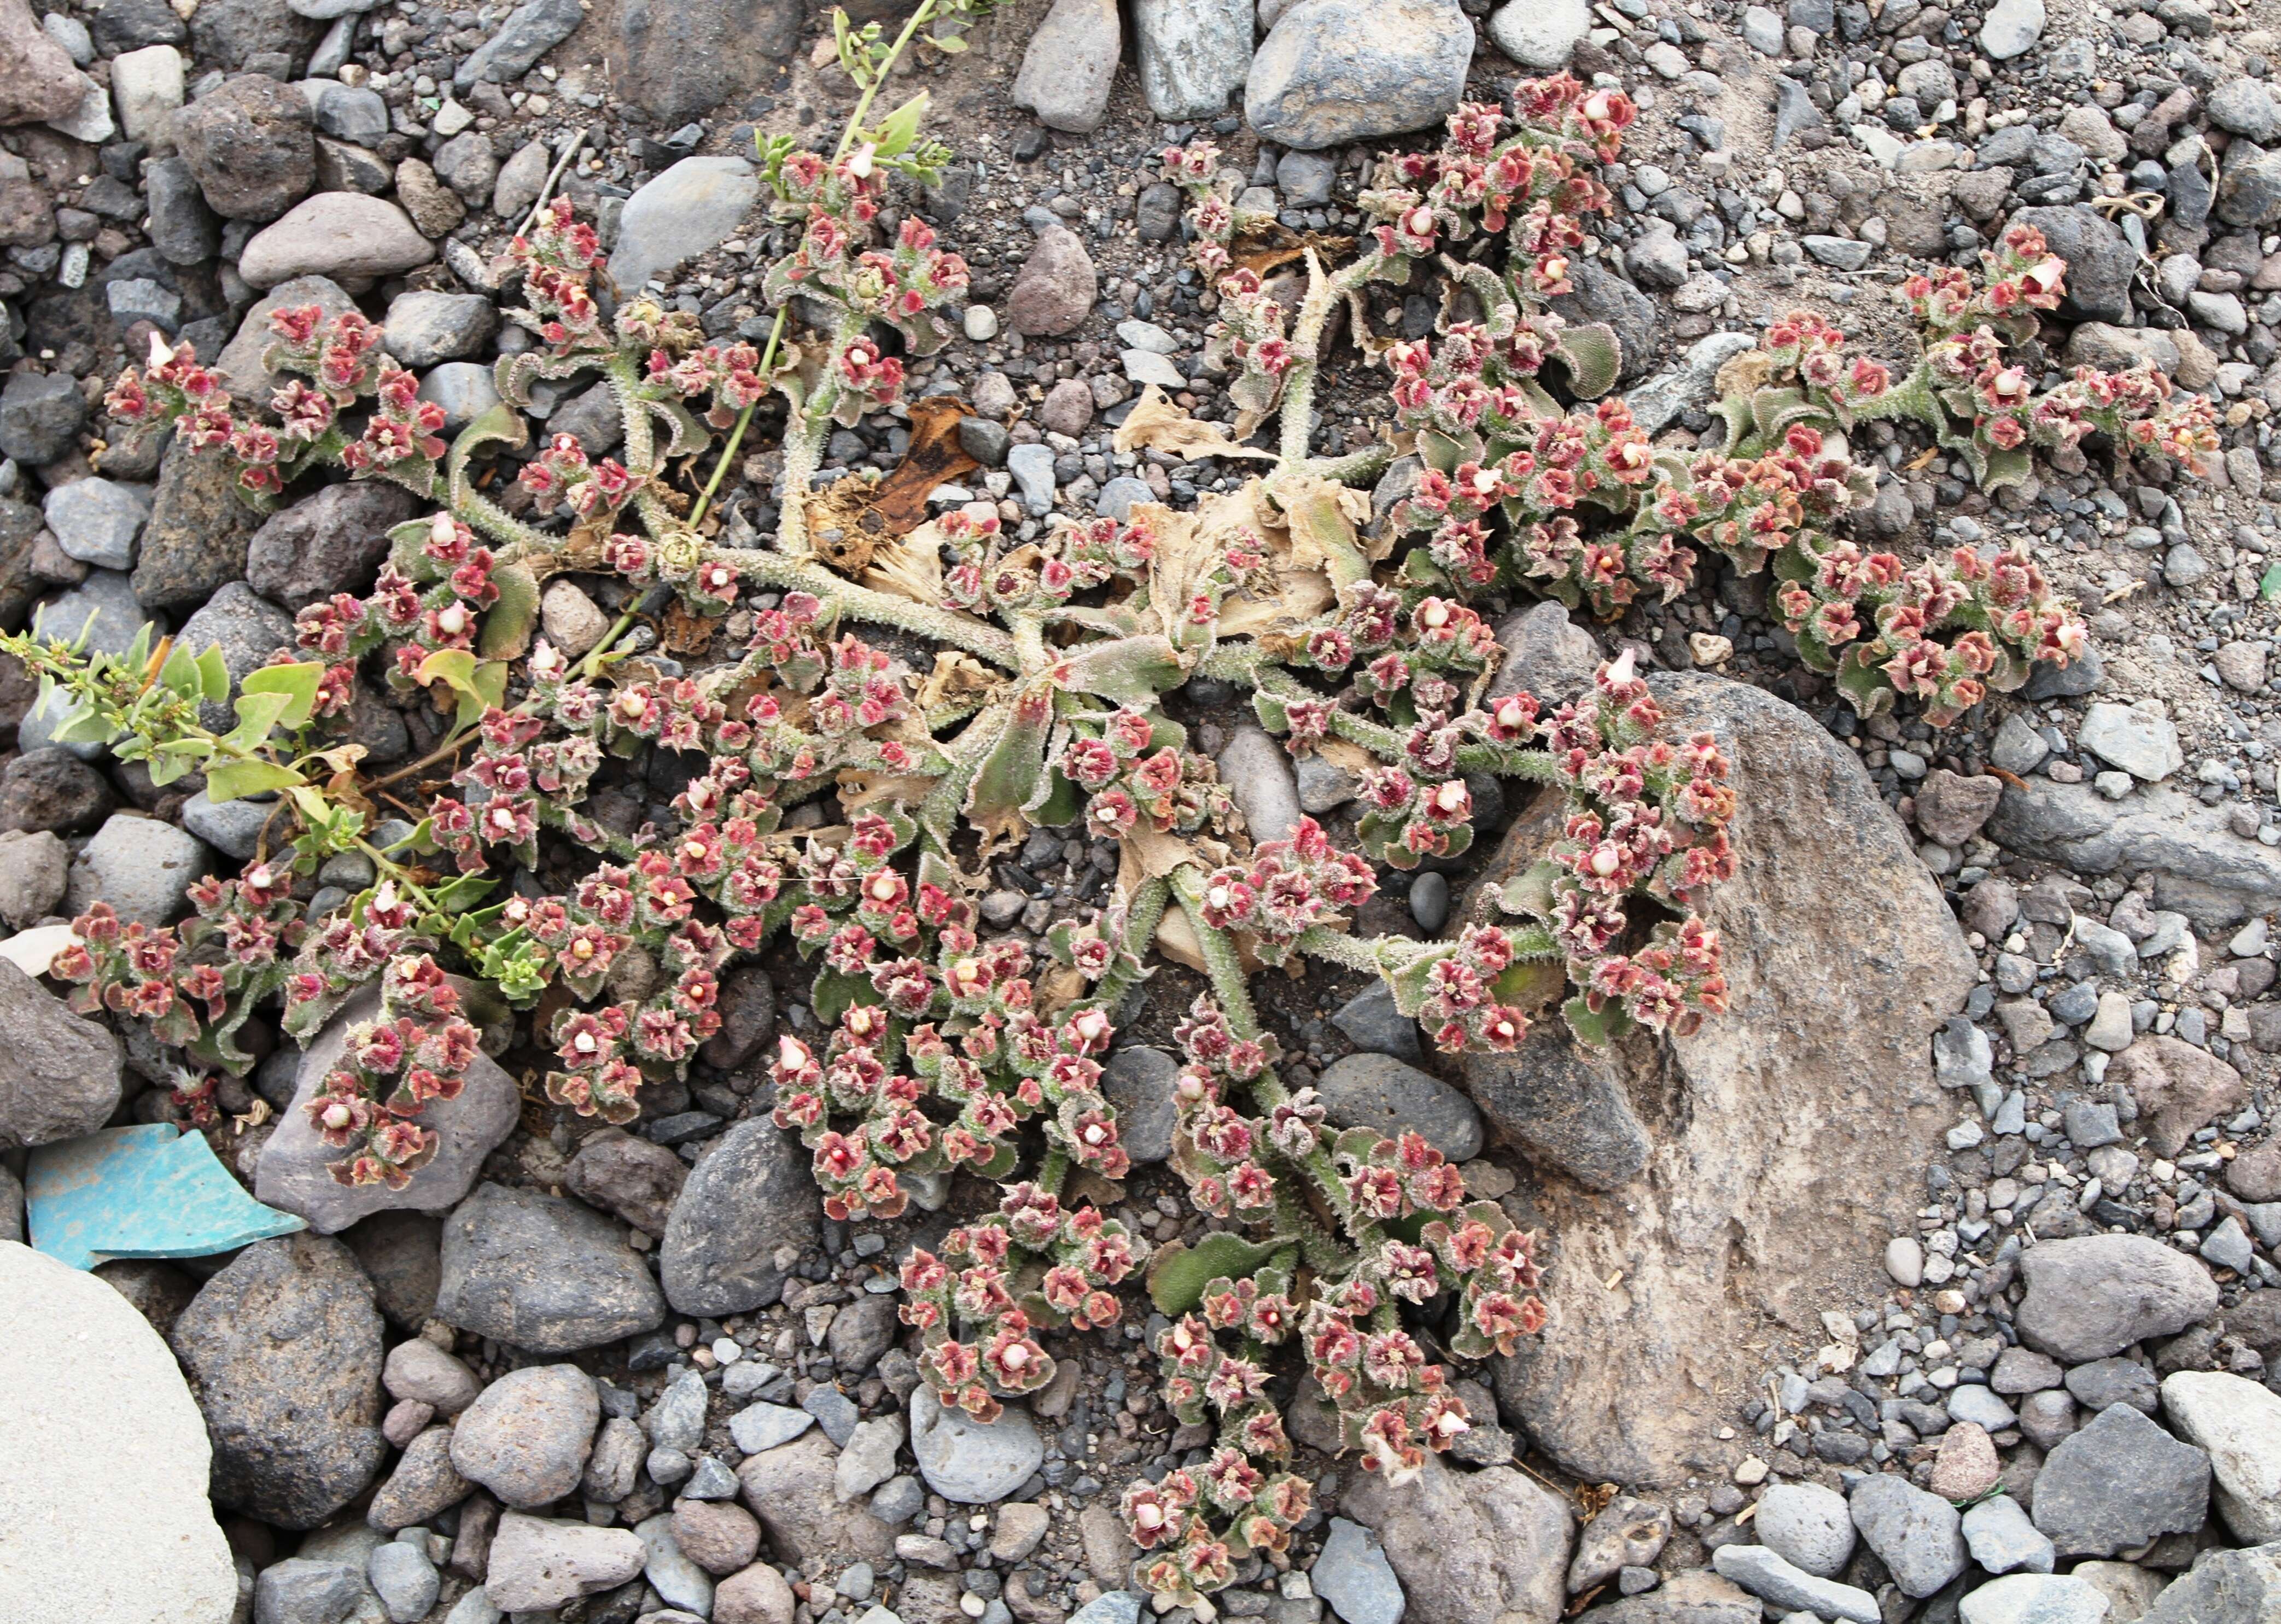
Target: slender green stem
x,y
1053,1172
744,421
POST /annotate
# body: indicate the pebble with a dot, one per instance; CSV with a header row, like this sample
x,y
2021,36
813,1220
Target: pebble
x,y
1379,1092
1192,54
2118,1482
537,1564
2002,1540
1807,1525
1767,1576
1032,467
1353,1574
1258,773
1070,65
343,235
693,207
1915,1533
1542,33
526,1436
969,1462
144,869
405,1580
2033,1598
763,1426
97,520
1429,901
2238,1423
1057,287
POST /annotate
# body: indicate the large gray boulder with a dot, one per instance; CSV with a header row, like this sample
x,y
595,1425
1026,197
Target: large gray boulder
x,y
1332,71
58,1071
282,1350
105,1497
1488,1547
2202,868
1779,1146
2092,1295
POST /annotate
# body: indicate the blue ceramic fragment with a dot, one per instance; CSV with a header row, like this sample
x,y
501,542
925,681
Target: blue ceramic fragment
x,y
150,1191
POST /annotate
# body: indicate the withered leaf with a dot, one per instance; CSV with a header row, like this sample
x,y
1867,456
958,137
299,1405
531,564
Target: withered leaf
x,y
868,516
1155,423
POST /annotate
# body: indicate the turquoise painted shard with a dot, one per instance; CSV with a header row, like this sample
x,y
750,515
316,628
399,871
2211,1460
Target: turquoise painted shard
x,y
149,1191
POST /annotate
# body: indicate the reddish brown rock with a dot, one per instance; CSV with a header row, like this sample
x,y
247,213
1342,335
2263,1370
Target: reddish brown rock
x,y
1056,288
2180,1089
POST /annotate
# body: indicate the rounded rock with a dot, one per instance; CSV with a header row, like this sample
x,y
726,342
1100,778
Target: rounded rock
x,y
526,1436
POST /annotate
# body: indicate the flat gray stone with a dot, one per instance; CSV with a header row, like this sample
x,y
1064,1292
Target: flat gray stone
x,y
542,1273
294,1173
1332,71
1380,1093
964,1460
97,520
2034,1598
144,869
1778,1584
692,208
2002,1540
2119,1482
1540,34
1353,1574
1915,1533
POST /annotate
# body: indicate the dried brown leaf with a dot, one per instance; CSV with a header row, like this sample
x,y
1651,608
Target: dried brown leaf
x,y
1156,424
955,677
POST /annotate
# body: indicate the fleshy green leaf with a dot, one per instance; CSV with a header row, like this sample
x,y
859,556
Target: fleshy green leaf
x,y
1593,356
1593,1029
256,715
1177,1276
507,628
900,127
236,780
296,682
213,676
834,994
180,674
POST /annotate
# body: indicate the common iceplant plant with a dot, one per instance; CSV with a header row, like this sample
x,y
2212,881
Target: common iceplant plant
x,y
1054,648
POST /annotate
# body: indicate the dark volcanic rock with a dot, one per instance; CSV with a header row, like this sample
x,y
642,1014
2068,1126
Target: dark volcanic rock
x,y
542,1273
252,146
58,1071
282,1350
678,60
50,788
196,542
331,542
751,1195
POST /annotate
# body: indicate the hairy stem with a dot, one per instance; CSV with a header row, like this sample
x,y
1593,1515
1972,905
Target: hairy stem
x,y
770,568
1222,963
1142,916
1354,468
